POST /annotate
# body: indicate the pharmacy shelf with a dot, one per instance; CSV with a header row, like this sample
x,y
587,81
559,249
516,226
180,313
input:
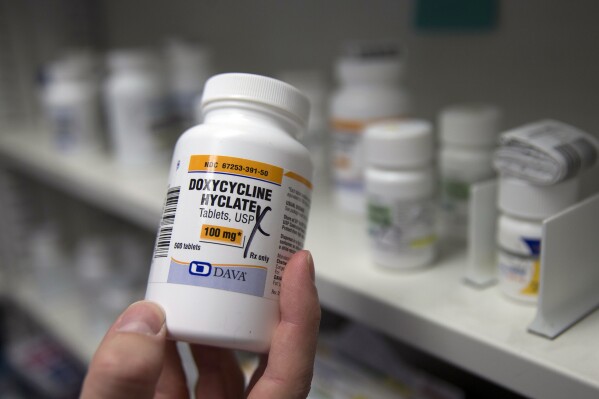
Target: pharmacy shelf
x,y
435,311
134,194
64,316
431,309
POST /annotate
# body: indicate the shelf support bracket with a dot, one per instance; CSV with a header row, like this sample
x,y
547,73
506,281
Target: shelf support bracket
x,y
482,222
569,269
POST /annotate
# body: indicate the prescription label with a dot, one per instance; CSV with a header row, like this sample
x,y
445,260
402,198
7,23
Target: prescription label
x,y
396,226
348,154
232,224
455,199
519,274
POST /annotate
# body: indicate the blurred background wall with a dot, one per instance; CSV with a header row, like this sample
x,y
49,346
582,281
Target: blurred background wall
x,y
539,60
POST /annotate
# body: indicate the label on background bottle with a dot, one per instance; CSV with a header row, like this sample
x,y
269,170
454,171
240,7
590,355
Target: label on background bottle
x,y
231,224
401,226
348,154
519,274
64,126
455,197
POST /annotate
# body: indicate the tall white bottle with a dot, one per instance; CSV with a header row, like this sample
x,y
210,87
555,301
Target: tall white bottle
x,y
468,135
71,105
136,107
369,90
189,66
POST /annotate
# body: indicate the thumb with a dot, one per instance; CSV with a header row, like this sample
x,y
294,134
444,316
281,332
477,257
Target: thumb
x,y
129,360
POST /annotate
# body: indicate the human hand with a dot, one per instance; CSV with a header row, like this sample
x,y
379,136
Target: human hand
x,y
135,360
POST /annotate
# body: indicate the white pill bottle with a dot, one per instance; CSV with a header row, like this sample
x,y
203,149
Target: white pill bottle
x,y
370,90
72,106
236,210
136,108
400,187
189,65
524,206
468,136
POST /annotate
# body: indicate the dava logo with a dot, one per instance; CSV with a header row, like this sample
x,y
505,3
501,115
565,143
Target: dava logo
x,y
200,268
205,269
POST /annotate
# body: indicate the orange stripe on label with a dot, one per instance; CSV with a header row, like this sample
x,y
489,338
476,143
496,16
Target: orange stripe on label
x,y
347,125
301,179
357,126
221,233
236,166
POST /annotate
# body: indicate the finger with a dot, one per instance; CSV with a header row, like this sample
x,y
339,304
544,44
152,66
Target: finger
x,y
129,360
257,374
172,382
288,373
220,376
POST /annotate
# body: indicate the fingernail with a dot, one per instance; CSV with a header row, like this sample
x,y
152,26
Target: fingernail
x,y
141,318
310,262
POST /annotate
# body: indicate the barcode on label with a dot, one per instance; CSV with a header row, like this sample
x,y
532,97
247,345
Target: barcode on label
x,y
163,241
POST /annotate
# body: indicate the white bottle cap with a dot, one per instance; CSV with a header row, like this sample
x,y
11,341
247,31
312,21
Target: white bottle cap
x,y
130,59
470,124
404,143
518,197
366,62
368,70
258,89
66,69
314,85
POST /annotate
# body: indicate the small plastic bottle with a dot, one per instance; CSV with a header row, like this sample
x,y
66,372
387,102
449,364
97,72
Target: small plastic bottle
x,y
136,108
468,135
524,206
72,106
369,90
400,187
236,210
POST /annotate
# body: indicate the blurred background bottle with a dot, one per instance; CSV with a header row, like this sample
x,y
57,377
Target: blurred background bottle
x,y
369,89
468,135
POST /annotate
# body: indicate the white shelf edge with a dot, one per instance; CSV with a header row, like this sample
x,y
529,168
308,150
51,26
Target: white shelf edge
x,y
474,354
136,196
64,318
433,310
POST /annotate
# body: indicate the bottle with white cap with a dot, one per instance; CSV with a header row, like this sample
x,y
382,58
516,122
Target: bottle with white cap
x,y
71,106
468,135
189,66
136,107
236,210
400,186
369,76
524,206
